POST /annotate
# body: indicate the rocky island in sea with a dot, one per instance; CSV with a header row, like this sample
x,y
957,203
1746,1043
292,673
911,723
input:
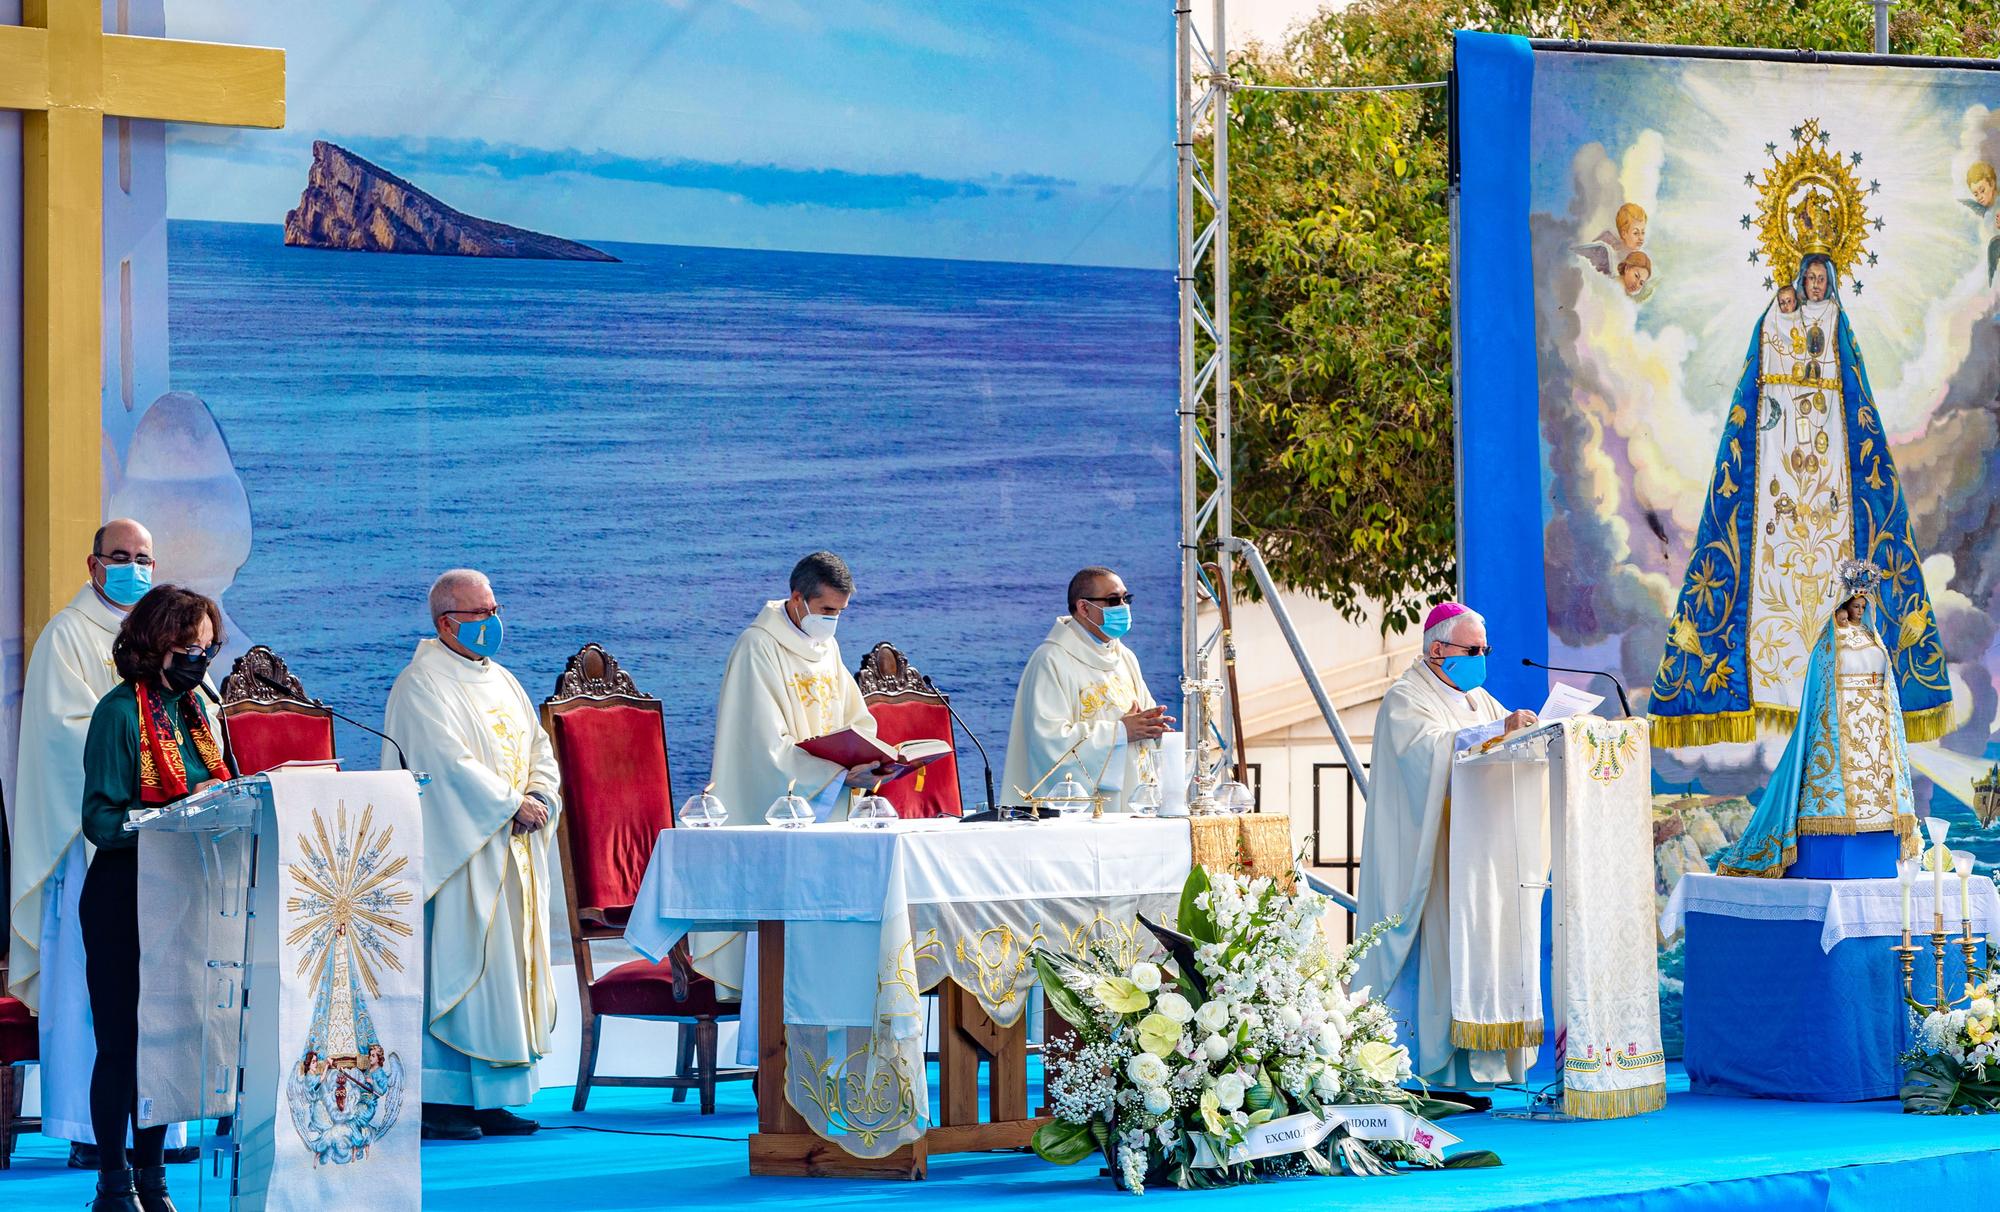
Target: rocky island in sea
x,y
355,206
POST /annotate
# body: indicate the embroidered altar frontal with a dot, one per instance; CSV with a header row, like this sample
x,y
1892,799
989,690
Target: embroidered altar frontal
x,y
875,918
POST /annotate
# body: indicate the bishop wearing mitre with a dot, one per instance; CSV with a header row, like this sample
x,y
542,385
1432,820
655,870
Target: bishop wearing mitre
x,y
1083,703
490,1003
784,683
69,670
1434,708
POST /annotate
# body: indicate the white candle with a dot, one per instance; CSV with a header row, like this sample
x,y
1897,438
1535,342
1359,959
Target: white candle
x,y
1937,882
1908,871
1962,863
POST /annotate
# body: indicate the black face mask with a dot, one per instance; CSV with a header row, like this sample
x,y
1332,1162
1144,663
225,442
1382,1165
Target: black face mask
x,y
183,673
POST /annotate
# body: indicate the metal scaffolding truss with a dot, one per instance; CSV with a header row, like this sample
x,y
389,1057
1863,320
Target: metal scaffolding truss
x,y
1204,90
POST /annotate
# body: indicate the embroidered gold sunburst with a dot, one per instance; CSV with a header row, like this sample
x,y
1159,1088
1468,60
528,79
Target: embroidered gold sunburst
x,y
348,904
1810,201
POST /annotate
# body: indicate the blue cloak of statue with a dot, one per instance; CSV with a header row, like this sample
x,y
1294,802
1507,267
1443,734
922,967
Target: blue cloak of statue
x,y
1702,693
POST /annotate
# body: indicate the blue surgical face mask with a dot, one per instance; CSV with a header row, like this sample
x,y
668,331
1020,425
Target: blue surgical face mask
x,y
1465,672
1117,621
125,584
481,637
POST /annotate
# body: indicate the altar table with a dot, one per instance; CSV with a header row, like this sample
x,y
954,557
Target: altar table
x,y
1791,989
855,924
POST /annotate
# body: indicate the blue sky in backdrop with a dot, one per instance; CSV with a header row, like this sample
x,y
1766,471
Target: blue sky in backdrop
x,y
1035,131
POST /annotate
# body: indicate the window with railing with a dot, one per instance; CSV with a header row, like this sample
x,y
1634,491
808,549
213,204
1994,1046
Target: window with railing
x,y
1336,828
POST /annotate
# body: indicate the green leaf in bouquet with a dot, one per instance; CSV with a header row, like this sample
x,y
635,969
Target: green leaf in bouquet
x,y
1063,1143
1931,1086
1317,1160
1100,1133
1474,1159
1061,999
1199,923
1438,1108
1181,948
1263,1116
1357,1158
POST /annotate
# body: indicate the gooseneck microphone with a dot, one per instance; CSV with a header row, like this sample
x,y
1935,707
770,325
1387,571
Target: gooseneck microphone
x,y
288,692
1623,705
992,803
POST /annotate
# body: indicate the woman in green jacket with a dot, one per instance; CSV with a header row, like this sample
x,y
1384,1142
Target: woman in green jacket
x,y
150,743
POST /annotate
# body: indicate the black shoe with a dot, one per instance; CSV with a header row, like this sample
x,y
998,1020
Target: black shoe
x,y
449,1121
152,1184
82,1156
115,1193
498,1121
183,1155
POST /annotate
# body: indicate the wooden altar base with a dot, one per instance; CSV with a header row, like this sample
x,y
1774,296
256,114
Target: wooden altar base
x,y
784,1145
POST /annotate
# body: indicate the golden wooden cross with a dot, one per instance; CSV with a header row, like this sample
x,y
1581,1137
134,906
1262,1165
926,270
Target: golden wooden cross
x,y
67,76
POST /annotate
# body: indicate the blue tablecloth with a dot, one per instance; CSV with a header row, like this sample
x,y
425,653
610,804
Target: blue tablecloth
x,y
1768,1014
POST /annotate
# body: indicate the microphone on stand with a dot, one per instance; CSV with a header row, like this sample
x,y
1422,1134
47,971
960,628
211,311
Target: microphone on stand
x,y
287,691
1606,674
992,801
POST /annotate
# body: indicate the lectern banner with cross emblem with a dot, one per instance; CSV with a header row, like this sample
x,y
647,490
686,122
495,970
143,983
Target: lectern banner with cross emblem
x,y
351,972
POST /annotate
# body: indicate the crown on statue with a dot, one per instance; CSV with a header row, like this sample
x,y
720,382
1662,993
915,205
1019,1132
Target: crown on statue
x,y
1858,577
1810,202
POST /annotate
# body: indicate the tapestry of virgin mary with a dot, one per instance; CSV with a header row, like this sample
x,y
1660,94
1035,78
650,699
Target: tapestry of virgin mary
x,y
1728,323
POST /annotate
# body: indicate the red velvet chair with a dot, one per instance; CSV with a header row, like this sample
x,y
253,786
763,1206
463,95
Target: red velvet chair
x,y
611,748
20,1043
267,727
906,708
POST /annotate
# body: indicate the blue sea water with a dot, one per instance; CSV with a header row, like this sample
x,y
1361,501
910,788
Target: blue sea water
x,y
638,452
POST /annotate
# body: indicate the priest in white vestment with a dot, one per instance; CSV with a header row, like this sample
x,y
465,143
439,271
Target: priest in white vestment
x,y
490,1002
1406,842
1083,703
69,670
784,683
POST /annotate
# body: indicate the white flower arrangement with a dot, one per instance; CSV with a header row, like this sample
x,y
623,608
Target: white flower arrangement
x,y
1954,1064
1247,1020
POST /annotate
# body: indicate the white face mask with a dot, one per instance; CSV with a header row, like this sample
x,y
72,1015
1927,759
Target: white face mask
x,y
819,627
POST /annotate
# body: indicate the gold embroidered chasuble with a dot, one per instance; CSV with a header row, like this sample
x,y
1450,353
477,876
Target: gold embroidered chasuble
x,y
490,997
1072,700
780,687
68,672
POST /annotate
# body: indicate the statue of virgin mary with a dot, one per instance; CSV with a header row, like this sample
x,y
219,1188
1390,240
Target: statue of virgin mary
x,y
1839,804
1804,480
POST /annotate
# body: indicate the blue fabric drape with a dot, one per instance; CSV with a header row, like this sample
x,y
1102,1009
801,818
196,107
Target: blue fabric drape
x,y
1499,392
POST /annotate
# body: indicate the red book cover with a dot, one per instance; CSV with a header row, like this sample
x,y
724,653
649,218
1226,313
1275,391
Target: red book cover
x,y
849,748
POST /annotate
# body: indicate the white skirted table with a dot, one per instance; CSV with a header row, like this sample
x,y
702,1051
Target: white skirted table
x,y
855,924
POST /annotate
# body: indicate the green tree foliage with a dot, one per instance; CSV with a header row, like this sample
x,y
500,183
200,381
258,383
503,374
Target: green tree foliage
x,y
1340,268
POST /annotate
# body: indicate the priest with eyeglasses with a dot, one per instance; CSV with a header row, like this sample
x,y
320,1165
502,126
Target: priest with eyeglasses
x,y
1434,709
490,1000
1083,704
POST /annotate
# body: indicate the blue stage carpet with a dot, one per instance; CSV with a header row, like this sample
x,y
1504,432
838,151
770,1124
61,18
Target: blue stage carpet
x,y
1700,1153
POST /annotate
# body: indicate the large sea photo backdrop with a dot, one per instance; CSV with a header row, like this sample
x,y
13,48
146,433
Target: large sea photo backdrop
x,y
874,280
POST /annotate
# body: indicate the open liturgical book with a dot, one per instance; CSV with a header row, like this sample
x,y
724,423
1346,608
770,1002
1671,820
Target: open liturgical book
x,y
849,748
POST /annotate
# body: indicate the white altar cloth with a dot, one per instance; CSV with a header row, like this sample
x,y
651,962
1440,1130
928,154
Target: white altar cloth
x,y
1845,908
874,917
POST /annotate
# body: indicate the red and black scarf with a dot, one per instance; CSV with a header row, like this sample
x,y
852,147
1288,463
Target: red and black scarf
x,y
162,775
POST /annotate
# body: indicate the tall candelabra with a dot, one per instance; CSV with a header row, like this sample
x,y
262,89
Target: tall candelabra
x,y
1941,943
